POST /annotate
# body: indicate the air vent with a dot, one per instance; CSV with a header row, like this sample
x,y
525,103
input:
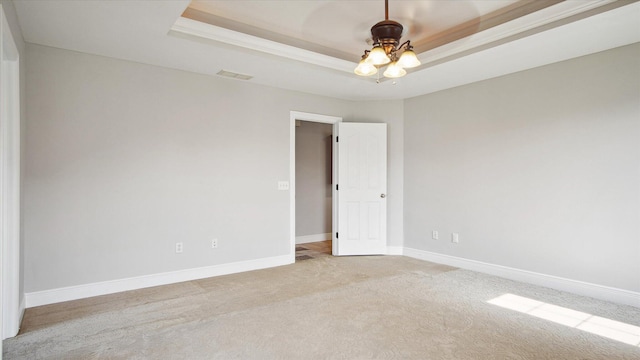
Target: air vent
x,y
234,75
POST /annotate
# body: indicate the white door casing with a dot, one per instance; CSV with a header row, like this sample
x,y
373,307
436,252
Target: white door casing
x,y
9,182
334,120
362,189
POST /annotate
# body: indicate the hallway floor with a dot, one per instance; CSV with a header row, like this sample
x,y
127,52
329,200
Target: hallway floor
x,y
313,250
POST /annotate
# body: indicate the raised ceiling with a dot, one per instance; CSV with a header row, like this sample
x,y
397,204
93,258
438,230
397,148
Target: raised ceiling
x,y
313,46
342,28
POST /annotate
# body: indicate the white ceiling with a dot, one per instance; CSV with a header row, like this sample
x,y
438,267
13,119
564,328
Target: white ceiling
x,y
287,44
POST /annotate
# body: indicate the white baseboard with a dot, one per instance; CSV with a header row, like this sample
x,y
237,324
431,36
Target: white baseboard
x,y
52,296
395,250
619,296
312,238
109,287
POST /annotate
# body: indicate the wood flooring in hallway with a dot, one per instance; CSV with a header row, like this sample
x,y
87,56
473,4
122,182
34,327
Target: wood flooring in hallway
x,y
313,250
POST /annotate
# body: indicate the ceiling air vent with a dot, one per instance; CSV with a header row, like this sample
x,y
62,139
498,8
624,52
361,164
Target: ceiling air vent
x,y
234,75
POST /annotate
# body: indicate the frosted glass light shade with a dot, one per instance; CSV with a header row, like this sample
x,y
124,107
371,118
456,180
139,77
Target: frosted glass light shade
x,y
394,70
377,56
408,59
365,68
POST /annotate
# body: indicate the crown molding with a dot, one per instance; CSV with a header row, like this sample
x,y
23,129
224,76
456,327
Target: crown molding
x,y
527,25
199,29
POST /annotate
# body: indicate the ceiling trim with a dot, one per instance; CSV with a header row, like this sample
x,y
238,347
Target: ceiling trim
x,y
483,23
199,29
515,29
267,34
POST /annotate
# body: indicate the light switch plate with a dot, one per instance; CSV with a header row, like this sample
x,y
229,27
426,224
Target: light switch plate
x,y
283,185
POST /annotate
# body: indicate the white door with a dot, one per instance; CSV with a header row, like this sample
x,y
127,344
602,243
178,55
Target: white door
x,y
362,189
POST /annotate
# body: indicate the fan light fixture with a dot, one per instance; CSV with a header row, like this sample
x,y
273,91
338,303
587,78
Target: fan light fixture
x,y
386,36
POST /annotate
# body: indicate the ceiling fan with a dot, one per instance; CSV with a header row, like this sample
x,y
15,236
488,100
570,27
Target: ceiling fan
x,y
387,50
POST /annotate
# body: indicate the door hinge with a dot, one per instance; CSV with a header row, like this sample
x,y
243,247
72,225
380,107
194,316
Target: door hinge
x,y
336,235
336,186
336,139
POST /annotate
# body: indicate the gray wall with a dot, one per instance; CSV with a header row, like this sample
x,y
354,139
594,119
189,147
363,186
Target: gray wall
x,y
313,178
538,170
125,159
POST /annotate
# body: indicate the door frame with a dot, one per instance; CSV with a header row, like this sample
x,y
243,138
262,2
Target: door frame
x,y
10,305
327,119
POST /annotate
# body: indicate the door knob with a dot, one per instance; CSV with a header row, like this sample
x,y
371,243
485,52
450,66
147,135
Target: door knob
x,y
383,196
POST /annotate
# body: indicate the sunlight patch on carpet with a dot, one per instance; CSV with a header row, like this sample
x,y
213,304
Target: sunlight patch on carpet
x,y
615,330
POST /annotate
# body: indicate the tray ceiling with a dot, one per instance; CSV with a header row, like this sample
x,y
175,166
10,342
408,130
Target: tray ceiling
x,y
313,46
342,28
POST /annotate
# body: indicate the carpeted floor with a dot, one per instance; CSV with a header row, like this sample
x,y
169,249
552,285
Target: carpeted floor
x,y
381,307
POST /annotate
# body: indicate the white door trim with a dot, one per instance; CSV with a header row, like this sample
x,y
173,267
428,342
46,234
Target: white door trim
x,y
293,116
9,181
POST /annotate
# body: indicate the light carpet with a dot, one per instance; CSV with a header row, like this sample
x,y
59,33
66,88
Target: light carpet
x,y
385,307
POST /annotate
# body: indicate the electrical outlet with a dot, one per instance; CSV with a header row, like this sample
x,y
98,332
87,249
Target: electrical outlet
x,y
178,248
434,234
214,243
454,238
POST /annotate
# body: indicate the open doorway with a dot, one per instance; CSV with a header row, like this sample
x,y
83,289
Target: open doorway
x,y
313,189
313,202
359,168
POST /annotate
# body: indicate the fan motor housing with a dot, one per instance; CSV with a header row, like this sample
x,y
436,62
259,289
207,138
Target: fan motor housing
x,y
387,33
